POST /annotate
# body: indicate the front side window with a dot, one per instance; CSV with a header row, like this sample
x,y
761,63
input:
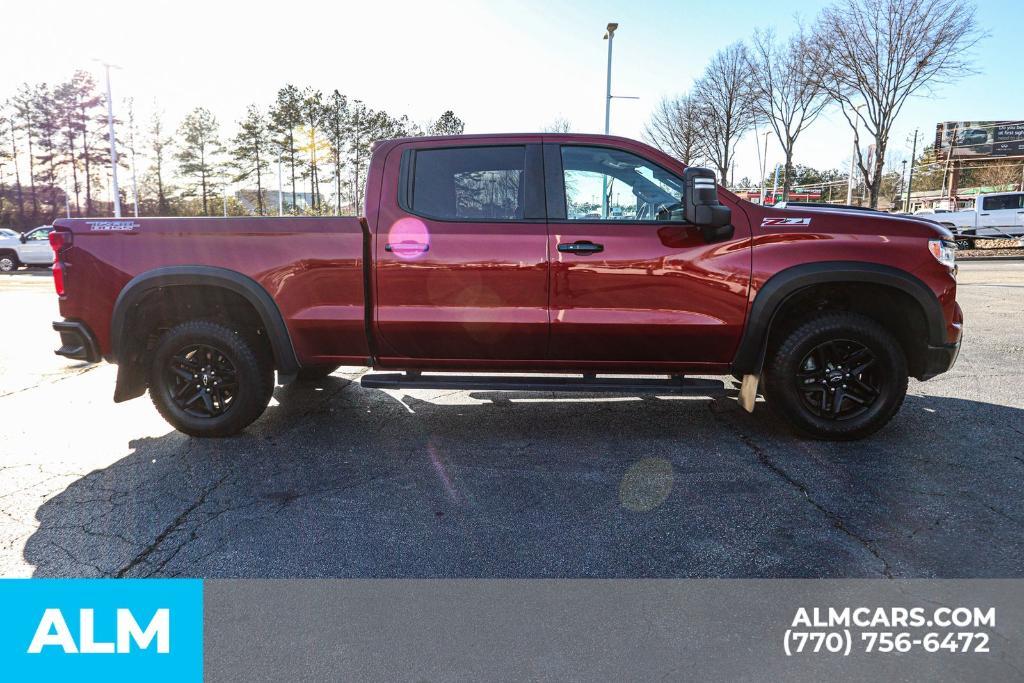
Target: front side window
x,y
40,234
609,184
1002,202
470,183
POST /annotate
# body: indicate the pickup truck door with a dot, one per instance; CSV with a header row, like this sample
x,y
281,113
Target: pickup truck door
x,y
1001,213
630,286
36,249
461,261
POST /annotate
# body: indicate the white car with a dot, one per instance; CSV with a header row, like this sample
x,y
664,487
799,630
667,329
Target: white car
x,y
30,249
998,214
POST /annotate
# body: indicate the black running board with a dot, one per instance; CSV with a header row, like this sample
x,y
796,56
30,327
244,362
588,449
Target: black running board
x,y
619,385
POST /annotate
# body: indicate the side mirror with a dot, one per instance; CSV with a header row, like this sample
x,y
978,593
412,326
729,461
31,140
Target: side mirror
x,y
23,238
702,207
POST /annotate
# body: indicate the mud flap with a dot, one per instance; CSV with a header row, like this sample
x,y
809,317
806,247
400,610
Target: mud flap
x,y
748,392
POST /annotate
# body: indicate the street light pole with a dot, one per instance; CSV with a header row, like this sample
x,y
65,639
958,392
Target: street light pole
x,y
113,146
910,181
609,36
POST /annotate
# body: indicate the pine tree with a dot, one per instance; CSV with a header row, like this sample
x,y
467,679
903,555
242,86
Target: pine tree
x,y
48,149
447,124
336,127
313,113
197,153
285,117
10,133
159,143
24,108
250,151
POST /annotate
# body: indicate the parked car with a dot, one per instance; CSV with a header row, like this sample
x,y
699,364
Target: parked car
x,y
996,214
29,249
828,311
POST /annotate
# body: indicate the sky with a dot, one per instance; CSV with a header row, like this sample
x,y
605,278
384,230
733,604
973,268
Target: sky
x,y
501,66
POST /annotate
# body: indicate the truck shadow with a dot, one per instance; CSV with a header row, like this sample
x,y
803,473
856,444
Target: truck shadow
x,y
341,481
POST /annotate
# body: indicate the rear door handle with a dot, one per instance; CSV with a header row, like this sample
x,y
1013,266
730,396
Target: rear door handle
x,y
407,247
581,247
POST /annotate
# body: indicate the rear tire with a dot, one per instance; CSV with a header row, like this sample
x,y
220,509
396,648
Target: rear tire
x,y
838,376
230,386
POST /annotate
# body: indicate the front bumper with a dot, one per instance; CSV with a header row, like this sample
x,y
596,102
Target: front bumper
x,y
77,341
940,359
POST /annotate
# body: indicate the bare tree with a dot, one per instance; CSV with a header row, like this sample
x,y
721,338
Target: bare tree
x,y
559,125
675,128
723,99
784,90
873,54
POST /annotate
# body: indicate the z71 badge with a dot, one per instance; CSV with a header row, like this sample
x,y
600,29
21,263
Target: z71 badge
x,y
112,226
773,222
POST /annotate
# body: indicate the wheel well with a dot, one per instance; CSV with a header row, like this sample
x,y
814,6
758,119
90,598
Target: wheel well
x,y
162,308
892,308
11,252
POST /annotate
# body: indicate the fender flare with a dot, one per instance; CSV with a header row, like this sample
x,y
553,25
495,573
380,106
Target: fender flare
x,y
139,286
772,296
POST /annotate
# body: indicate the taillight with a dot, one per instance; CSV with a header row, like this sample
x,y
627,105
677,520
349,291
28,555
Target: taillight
x,y
59,240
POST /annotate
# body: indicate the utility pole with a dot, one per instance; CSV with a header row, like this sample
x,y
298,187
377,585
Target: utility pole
x,y
910,181
280,190
903,179
609,36
764,165
113,145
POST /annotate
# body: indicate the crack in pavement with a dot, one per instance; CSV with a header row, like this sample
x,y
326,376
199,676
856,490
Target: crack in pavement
x,y
169,529
837,521
43,380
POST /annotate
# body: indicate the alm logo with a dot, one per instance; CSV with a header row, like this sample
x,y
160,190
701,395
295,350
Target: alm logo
x,y
53,631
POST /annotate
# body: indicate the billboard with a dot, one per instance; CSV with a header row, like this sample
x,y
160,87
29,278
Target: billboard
x,y
979,139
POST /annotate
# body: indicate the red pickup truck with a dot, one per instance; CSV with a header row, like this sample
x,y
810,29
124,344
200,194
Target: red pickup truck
x,y
590,259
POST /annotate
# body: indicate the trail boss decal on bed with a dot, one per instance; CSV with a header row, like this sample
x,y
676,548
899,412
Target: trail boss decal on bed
x,y
112,226
780,222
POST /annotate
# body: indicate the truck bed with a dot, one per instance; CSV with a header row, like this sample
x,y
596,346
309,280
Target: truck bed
x,y
312,267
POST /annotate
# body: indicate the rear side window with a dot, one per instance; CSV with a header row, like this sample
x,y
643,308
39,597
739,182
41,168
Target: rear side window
x,y
470,183
1003,202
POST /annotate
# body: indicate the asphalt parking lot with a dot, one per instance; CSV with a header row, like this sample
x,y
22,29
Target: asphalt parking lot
x,y
340,481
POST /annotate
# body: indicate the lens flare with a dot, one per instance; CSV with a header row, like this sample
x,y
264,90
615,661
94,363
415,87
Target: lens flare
x,y
408,238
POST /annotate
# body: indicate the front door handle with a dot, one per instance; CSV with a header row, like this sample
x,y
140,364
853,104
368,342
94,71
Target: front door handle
x,y
581,247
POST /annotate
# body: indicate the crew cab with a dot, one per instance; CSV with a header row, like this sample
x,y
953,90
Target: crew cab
x,y
996,214
30,249
599,262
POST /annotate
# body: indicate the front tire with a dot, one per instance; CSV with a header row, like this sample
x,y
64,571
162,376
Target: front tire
x,y
838,376
8,263
208,380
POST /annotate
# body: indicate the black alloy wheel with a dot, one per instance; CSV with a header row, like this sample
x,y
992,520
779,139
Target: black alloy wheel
x,y
837,375
208,379
203,382
838,379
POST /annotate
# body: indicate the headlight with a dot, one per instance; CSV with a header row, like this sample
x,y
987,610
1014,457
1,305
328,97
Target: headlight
x,y
944,252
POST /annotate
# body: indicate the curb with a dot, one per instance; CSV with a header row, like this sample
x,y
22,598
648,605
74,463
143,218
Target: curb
x,y
968,259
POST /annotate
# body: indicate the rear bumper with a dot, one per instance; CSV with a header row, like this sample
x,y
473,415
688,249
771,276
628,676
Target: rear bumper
x,y
77,341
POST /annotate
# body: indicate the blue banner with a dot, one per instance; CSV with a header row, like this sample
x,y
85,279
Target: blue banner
x,y
101,629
